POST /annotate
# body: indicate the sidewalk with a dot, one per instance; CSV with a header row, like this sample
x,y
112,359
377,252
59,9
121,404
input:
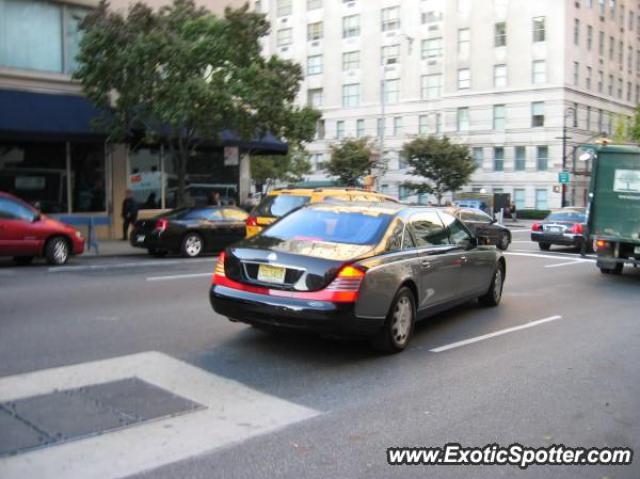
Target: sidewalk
x,y
115,248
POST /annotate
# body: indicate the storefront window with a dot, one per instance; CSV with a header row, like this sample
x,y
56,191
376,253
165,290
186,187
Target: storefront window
x,y
87,178
36,173
145,177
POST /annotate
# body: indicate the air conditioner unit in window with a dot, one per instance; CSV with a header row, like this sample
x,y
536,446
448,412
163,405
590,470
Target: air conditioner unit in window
x,y
315,43
391,61
284,49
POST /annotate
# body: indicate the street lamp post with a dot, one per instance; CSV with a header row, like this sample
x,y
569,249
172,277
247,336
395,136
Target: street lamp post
x,y
563,201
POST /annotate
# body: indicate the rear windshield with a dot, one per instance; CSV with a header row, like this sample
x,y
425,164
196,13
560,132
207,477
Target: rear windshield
x,y
191,214
279,205
568,216
331,226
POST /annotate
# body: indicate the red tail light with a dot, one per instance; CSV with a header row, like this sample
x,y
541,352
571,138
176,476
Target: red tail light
x,y
218,273
577,229
251,221
536,227
162,224
343,289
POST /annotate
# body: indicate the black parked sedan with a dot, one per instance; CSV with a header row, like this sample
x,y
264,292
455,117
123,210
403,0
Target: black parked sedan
x,y
368,270
483,226
190,231
563,227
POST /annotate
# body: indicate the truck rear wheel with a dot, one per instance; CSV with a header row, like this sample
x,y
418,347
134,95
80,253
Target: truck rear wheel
x,y
617,269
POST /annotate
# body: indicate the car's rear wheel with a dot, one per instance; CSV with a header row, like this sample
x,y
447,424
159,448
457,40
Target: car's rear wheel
x,y
192,245
398,327
503,242
493,296
23,260
544,246
56,250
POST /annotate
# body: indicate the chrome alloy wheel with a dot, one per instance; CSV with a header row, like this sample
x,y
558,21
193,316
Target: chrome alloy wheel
x,y
60,251
401,321
193,245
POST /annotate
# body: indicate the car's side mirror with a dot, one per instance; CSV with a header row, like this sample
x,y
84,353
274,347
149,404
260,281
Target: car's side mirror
x,y
471,242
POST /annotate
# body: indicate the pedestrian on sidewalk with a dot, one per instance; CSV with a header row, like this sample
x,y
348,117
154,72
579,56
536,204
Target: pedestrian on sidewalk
x,y
514,215
129,213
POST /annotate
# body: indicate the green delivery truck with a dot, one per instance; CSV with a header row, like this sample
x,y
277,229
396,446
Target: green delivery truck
x,y
614,206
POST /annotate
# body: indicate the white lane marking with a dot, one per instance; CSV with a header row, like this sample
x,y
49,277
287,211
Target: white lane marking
x,y
550,256
568,263
494,334
132,264
521,231
179,276
234,413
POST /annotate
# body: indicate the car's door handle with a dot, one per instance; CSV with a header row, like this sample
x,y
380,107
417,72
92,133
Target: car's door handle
x,y
425,264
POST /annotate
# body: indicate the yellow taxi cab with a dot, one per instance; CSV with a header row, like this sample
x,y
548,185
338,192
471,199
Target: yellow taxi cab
x,y
282,201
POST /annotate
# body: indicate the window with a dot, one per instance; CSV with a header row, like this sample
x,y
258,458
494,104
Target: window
x,y
431,17
431,86
351,26
588,78
431,48
601,43
320,130
600,81
521,158
423,125
600,121
314,31
391,91
631,18
397,126
519,198
601,7
351,60
462,119
500,34
390,19
428,230
498,158
340,129
380,127
588,118
542,158
576,73
284,7
464,42
576,32
403,192
621,52
539,33
630,60
589,37
499,117
317,160
478,156
12,210
31,35
539,69
360,131
458,234
464,78
402,161
438,125
628,91
612,47
314,65
541,199
499,76
283,37
537,113
314,97
351,95
575,110
390,54
314,4
619,87
610,90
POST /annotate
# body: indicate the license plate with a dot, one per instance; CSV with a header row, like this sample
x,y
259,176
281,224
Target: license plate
x,y
271,274
140,238
553,229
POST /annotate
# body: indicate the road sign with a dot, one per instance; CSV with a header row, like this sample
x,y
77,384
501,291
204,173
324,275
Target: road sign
x,y
564,177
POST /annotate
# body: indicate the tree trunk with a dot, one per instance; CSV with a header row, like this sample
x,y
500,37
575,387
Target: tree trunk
x,y
182,157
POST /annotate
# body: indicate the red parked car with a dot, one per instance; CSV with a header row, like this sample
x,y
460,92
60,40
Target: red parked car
x,y
26,233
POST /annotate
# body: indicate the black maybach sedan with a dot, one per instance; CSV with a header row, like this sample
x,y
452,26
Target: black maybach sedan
x,y
356,270
190,231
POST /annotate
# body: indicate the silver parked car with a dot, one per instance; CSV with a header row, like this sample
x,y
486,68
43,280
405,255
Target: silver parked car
x,y
367,270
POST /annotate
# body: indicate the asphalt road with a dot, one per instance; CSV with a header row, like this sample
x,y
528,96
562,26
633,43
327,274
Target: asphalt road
x,y
571,380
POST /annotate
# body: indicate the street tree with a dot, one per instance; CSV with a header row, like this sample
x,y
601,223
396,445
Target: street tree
x,y
182,75
290,168
634,132
443,166
351,159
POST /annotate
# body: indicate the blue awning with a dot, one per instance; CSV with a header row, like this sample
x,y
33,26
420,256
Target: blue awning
x,y
31,116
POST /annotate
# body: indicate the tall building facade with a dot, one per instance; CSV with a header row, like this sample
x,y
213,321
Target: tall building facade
x,y
506,77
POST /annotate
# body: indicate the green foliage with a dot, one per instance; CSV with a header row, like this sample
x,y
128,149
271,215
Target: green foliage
x,y
634,132
351,159
622,129
444,165
527,214
266,170
182,75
